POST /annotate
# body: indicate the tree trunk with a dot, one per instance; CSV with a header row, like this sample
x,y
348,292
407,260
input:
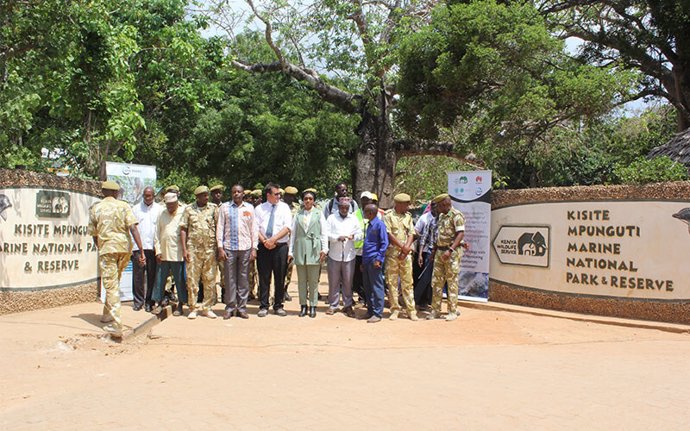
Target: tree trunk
x,y
682,94
375,159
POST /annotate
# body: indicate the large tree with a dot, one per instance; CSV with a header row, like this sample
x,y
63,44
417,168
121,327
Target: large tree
x,y
95,79
493,72
344,51
650,36
65,79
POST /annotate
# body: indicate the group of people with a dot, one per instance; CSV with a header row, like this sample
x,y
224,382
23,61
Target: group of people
x,y
263,234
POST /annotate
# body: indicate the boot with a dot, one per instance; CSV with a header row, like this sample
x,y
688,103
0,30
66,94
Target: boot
x,y
302,311
312,312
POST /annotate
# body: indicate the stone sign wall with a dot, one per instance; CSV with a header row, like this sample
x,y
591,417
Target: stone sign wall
x,y
611,250
47,257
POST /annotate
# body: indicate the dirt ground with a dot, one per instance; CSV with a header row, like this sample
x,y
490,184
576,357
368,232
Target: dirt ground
x,y
490,370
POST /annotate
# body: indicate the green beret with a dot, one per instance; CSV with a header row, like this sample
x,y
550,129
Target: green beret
x,y
173,188
402,198
110,185
291,190
217,187
440,198
201,189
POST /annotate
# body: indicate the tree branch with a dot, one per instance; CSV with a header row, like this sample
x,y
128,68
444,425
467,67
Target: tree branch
x,y
341,99
268,33
425,147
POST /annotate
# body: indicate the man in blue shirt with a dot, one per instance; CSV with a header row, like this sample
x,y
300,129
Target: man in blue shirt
x,y
373,253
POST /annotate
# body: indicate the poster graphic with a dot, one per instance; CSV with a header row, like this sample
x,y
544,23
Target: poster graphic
x,y
470,192
133,179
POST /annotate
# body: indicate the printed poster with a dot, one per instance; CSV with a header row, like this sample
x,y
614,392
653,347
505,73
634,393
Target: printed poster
x,y
133,179
470,192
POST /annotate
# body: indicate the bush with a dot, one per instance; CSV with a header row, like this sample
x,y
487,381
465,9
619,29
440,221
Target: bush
x,y
643,170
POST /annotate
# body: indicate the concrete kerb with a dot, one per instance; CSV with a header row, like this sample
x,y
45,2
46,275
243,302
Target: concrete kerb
x,y
661,326
145,327
167,311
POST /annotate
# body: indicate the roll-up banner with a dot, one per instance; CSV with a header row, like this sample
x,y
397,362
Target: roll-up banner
x,y
470,192
133,179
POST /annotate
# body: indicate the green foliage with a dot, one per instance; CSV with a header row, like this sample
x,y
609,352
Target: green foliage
x,y
17,155
643,170
647,37
492,76
423,177
186,181
89,77
266,128
67,70
582,153
498,65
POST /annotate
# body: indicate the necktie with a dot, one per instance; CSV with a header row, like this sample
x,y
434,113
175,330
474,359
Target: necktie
x,y
269,229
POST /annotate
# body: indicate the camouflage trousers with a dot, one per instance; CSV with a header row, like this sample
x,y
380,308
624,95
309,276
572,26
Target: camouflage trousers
x,y
220,280
288,273
252,279
111,266
202,265
396,269
445,271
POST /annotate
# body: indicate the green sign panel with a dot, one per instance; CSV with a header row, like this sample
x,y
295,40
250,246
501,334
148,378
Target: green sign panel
x,y
53,204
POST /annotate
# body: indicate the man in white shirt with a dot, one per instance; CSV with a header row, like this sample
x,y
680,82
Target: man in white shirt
x,y
274,219
343,230
146,212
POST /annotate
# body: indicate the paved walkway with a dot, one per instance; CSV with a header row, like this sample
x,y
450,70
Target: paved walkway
x,y
491,369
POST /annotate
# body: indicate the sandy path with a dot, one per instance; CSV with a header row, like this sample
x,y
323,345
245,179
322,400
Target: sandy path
x,y
487,370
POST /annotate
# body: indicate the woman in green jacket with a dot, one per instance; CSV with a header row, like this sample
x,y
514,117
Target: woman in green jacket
x,y
308,248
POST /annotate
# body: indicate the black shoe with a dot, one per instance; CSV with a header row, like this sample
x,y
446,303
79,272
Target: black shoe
x,y
147,308
287,296
303,311
136,307
179,310
312,312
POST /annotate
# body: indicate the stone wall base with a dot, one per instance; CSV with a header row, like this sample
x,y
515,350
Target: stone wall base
x,y
671,312
14,302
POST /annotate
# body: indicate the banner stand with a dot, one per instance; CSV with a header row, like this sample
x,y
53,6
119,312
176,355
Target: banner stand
x,y
470,192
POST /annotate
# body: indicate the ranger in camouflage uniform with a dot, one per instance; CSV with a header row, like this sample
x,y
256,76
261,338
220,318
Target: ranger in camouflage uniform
x,y
110,223
217,198
447,254
198,239
398,263
253,276
290,198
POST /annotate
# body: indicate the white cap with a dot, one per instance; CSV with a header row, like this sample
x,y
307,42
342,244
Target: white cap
x,y
170,197
367,195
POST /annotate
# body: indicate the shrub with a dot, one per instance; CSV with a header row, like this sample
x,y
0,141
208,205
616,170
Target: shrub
x,y
643,170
